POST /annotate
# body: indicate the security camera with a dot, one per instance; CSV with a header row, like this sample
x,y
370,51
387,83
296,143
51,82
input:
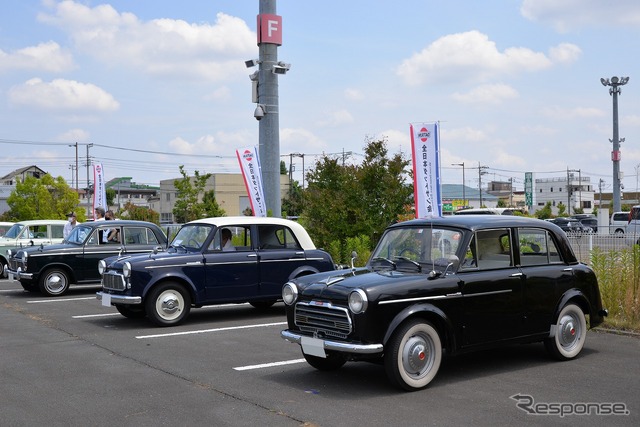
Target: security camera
x,y
251,63
277,69
259,112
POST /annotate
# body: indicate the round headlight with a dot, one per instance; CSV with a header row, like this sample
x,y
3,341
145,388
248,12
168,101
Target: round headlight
x,y
102,266
25,255
358,301
289,293
126,269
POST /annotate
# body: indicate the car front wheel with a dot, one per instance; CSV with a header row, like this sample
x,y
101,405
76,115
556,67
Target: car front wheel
x,y
136,312
570,334
168,304
413,355
54,282
332,362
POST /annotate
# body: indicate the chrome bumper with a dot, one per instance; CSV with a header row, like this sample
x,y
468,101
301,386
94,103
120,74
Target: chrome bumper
x,y
120,299
19,274
344,347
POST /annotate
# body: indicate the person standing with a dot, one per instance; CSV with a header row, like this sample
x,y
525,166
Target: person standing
x,y
99,213
72,221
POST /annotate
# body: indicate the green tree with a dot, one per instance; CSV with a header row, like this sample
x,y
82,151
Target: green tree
x,y
545,212
188,207
110,194
562,209
344,204
43,198
283,168
501,204
139,213
211,207
293,202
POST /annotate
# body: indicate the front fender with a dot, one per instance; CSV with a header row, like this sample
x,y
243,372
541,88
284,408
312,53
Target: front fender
x,y
303,270
172,277
429,312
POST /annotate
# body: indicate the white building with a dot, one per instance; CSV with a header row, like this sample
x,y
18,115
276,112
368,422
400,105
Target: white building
x,y
574,191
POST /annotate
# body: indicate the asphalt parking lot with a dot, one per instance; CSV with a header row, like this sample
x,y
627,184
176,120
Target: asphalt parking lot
x,y
69,361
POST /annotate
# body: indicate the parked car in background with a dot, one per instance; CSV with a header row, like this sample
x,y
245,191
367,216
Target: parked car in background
x,y
589,222
569,225
4,226
458,283
30,233
212,261
619,222
52,269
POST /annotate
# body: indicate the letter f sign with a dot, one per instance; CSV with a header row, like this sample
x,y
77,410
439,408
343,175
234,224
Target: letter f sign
x,y
270,29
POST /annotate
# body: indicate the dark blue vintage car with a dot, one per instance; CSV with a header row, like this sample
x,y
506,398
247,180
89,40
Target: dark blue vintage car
x,y
212,261
459,283
52,269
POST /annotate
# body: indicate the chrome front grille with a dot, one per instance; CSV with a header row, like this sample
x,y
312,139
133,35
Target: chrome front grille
x,y
323,319
114,281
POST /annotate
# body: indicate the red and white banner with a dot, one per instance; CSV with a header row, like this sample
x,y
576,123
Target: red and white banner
x,y
425,151
252,175
99,188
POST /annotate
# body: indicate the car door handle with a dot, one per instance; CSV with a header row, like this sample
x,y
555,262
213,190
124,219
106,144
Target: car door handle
x,y
568,269
252,255
516,275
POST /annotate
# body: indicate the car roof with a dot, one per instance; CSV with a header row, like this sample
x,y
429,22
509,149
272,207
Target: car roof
x,y
226,221
117,222
42,222
474,222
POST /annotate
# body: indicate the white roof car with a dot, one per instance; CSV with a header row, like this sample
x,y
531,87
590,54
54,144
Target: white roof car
x,y
30,233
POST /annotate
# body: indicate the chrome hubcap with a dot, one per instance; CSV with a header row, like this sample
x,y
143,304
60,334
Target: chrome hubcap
x,y
417,355
569,331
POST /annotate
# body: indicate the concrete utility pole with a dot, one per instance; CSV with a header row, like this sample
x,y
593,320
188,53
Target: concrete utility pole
x,y
481,171
265,93
615,84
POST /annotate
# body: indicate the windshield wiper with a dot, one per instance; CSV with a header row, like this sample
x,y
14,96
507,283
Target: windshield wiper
x,y
416,264
387,260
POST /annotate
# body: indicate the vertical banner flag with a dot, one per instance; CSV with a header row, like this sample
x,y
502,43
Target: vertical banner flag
x,y
252,175
425,151
99,189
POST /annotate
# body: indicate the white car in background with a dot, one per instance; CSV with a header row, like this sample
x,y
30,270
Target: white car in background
x,y
30,233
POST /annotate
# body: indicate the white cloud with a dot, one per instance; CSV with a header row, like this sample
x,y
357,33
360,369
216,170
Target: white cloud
x,y
336,118
160,46
74,135
487,94
471,56
61,94
353,95
573,113
570,14
565,53
42,57
295,140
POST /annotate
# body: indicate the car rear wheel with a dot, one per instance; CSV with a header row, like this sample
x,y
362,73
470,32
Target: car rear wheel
x,y
332,362
413,355
3,269
54,282
168,304
135,312
570,334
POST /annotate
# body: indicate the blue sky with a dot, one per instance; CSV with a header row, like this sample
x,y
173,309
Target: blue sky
x,y
515,84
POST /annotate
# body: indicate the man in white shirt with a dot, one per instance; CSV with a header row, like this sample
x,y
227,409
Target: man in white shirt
x,y
72,222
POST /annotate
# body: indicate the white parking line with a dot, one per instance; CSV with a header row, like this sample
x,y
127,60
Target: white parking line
x,y
84,316
203,331
58,300
269,365
12,290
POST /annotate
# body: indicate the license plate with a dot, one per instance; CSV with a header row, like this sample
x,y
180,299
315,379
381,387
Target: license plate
x,y
313,347
106,300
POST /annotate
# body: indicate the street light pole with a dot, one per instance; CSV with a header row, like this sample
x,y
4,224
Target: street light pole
x,y
615,84
464,195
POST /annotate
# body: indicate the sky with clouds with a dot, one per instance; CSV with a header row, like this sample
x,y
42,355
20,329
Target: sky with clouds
x,y
515,84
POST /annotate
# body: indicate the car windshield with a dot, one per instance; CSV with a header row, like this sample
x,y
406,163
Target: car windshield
x,y
79,234
14,231
192,236
416,248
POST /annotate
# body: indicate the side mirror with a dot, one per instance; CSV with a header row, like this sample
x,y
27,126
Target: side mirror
x,y
354,255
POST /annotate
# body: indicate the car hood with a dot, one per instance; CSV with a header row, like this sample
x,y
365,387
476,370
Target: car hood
x,y
116,262
36,249
379,285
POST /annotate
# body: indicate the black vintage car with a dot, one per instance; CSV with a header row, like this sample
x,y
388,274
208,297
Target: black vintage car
x,y
459,283
51,269
212,261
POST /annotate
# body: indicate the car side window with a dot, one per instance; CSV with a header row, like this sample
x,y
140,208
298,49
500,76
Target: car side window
x,y
138,236
493,249
240,239
277,237
57,231
537,247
